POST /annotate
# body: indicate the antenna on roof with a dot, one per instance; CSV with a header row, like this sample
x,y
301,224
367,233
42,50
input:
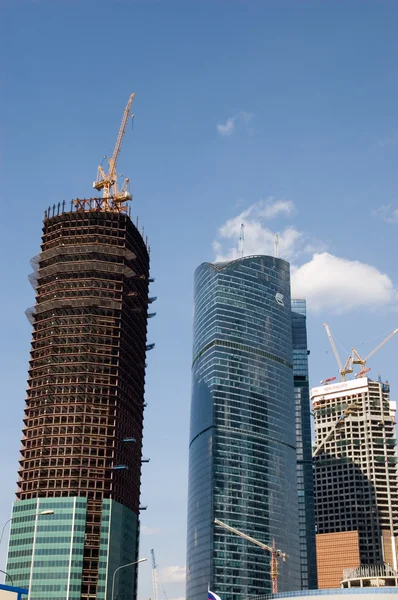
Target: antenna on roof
x,y
241,241
276,245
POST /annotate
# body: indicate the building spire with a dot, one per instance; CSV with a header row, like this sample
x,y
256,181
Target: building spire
x,y
241,241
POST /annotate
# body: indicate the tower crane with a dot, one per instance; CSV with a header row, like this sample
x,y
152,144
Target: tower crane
x,y
107,182
348,364
275,554
154,576
355,358
358,360
351,408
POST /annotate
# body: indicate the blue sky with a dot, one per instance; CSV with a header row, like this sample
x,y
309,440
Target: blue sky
x,y
282,114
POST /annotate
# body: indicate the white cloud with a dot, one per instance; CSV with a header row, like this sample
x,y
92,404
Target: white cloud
x,y
387,140
272,208
388,213
172,574
229,127
226,128
332,283
328,282
145,530
259,239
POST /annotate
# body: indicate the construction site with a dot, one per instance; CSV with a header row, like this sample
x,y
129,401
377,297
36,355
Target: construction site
x,y
355,472
81,454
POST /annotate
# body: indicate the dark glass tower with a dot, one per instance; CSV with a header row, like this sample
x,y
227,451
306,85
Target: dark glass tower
x,y
305,482
242,458
82,436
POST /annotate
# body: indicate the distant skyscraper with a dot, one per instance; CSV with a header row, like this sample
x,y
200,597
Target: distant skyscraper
x,y
355,465
242,460
305,482
82,436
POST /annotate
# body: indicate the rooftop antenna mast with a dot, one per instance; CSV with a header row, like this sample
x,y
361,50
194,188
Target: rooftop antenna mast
x,y
276,245
241,240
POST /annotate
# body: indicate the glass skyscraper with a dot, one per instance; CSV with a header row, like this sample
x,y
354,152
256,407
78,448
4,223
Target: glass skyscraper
x,y
304,447
242,458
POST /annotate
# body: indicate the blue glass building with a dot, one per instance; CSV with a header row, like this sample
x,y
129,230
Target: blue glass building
x,y
242,458
305,483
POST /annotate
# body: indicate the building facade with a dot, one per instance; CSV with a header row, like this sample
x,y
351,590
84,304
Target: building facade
x,y
355,468
242,454
359,593
76,518
305,484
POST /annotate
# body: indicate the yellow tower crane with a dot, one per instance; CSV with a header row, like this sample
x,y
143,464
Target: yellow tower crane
x,y
355,358
275,554
107,182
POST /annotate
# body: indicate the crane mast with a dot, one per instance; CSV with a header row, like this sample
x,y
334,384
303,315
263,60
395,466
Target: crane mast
x,y
107,182
154,576
275,554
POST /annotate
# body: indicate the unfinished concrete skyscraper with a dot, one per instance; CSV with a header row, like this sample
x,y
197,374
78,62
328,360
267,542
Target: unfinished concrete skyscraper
x,y
355,467
82,439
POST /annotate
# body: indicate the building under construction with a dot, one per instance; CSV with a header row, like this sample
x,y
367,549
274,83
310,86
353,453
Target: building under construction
x,y
76,518
355,470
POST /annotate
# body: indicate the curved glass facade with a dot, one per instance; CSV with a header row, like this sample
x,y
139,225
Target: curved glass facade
x,y
242,460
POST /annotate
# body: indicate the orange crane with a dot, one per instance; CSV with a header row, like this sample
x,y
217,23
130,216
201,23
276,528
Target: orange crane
x,y
107,182
328,380
275,554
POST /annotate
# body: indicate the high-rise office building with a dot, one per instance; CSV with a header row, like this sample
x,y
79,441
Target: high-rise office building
x,y
305,482
355,466
76,518
242,456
